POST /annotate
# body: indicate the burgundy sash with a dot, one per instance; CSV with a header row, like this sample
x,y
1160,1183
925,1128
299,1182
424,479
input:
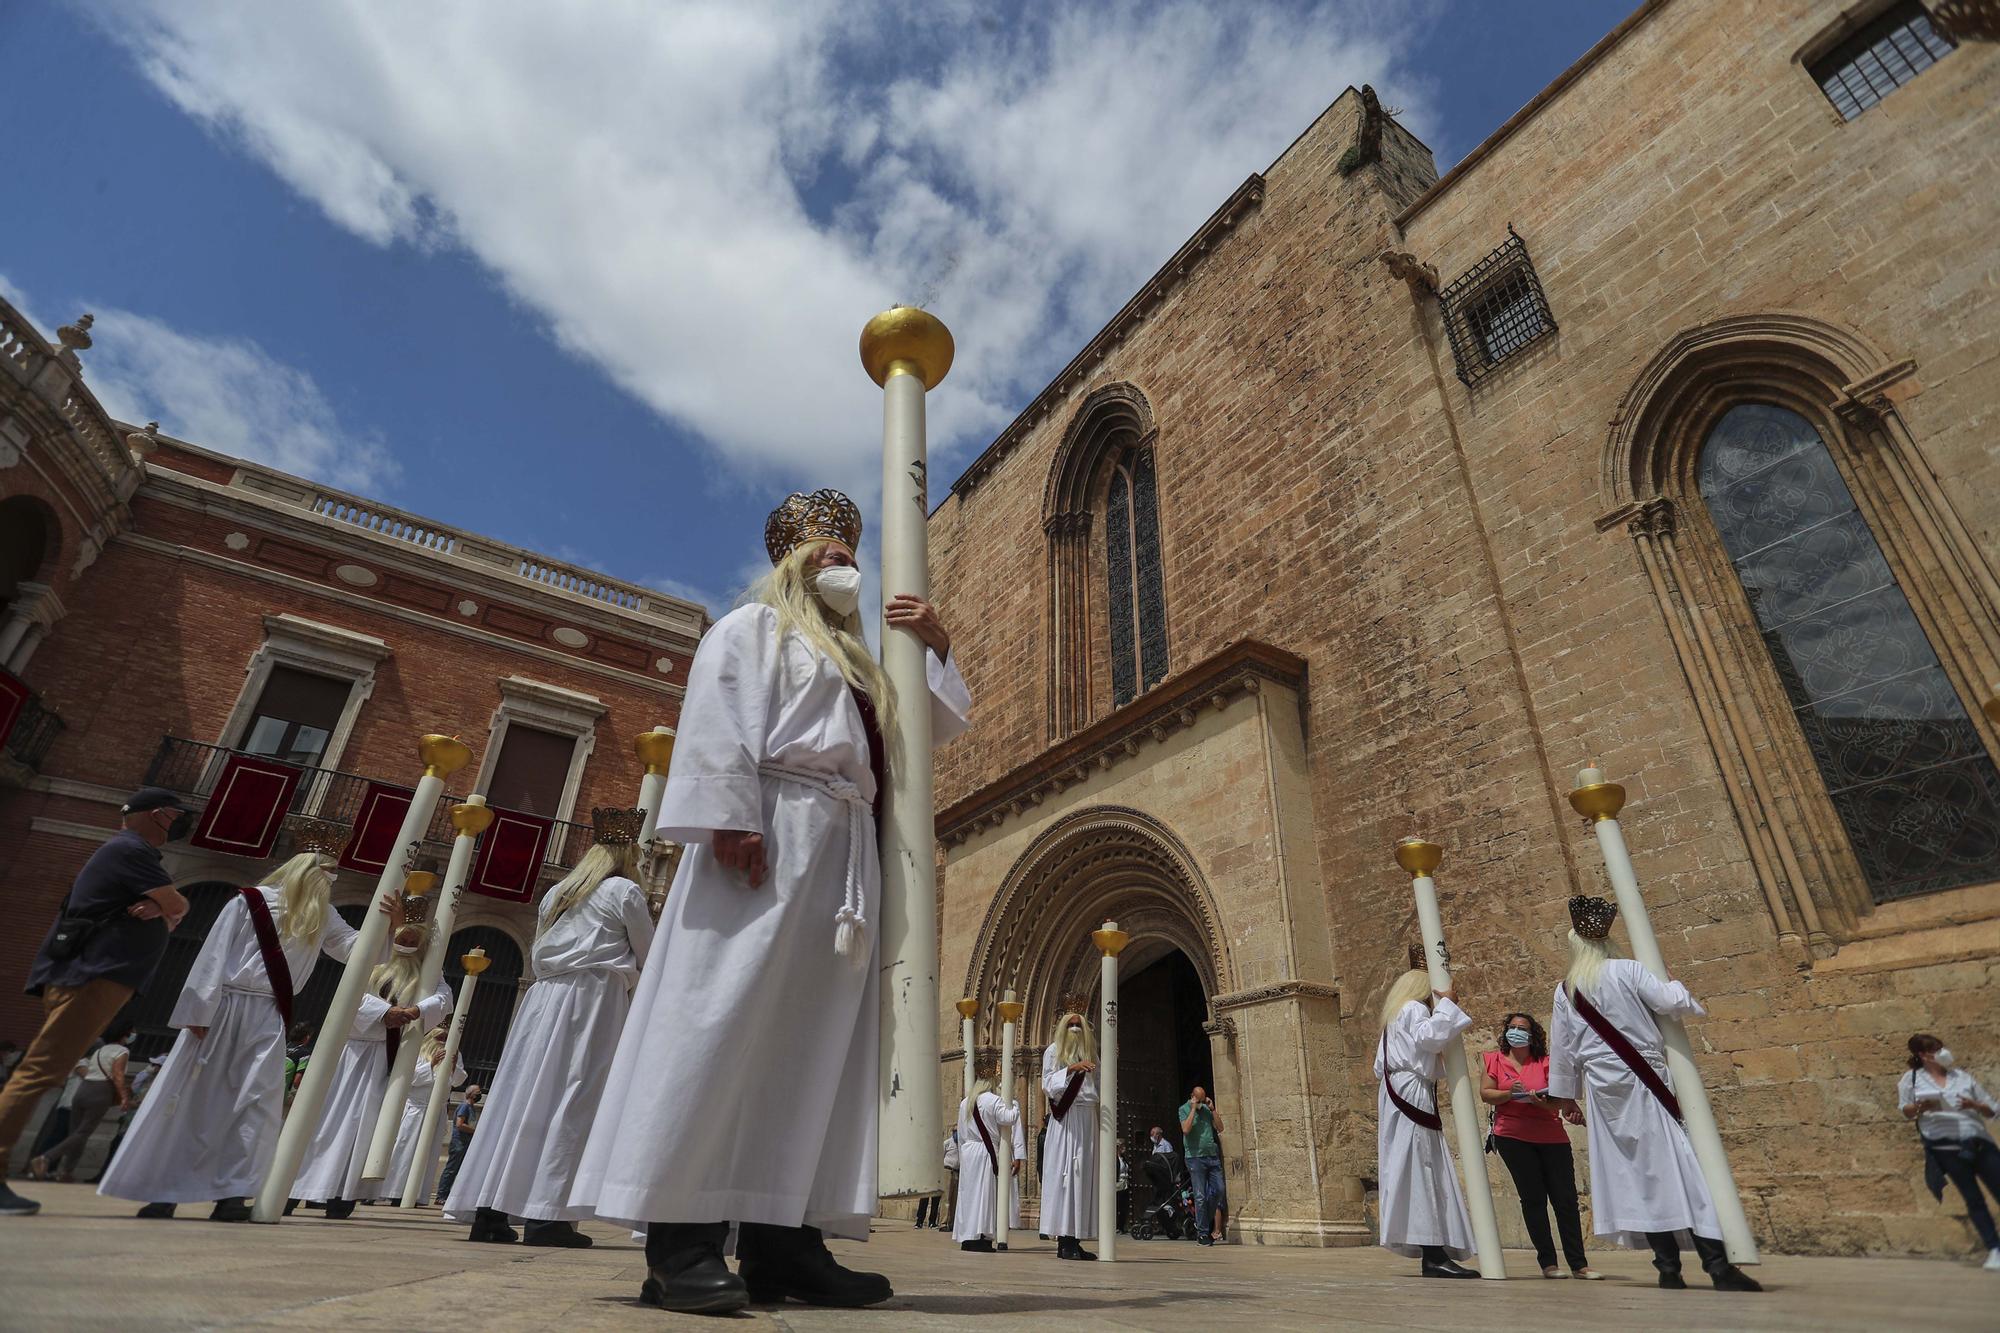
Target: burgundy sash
x,y
1061,1108
980,1125
395,1037
1627,1052
276,968
1428,1119
877,751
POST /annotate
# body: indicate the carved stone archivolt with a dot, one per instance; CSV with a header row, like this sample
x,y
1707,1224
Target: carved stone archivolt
x,y
1105,862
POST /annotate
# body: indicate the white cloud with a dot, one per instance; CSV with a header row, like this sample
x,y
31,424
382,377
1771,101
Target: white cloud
x,y
707,200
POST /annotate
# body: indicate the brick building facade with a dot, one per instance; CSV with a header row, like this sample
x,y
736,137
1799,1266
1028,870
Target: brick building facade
x,y
169,606
1319,544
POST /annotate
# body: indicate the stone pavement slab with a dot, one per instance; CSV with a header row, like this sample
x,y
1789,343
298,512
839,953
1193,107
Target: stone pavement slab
x,y
87,1263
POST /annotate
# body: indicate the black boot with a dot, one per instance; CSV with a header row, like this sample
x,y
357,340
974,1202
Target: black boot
x,y
291,1206
1667,1258
561,1235
685,1272
1069,1247
1439,1264
979,1245
229,1210
336,1209
490,1224
1725,1275
155,1212
793,1261
13,1205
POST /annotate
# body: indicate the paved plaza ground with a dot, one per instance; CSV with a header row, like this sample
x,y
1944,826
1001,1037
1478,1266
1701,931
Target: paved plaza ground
x,y
86,1263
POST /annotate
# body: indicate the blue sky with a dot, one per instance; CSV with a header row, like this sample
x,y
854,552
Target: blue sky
x,y
589,278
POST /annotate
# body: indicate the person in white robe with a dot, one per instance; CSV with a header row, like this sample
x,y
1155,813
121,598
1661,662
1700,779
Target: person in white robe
x,y
1421,1207
1069,1157
208,1128
1646,1186
338,1151
415,1106
594,930
984,1110
745,1083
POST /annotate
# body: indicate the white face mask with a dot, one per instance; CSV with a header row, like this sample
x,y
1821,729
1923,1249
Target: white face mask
x,y
839,586
1943,1057
407,948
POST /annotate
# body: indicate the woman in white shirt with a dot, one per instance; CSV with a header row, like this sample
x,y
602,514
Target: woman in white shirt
x,y
1951,1111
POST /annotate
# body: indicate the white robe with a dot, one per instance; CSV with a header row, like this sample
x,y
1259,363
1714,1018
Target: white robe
x,y
531,1133
339,1148
1643,1172
1419,1200
972,1214
1069,1155
208,1126
745,1083
415,1106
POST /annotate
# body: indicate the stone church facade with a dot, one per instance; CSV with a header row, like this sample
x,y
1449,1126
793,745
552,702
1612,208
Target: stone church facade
x,y
1659,430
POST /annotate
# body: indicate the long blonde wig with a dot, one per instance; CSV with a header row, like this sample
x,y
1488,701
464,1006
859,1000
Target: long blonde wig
x,y
788,590
1414,984
600,863
401,974
981,1085
1586,962
1074,1046
305,887
434,1046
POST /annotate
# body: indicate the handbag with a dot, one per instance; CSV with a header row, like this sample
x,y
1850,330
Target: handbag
x,y
74,931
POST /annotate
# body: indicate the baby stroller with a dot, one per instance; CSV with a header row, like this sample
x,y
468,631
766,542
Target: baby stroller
x,y
1163,1202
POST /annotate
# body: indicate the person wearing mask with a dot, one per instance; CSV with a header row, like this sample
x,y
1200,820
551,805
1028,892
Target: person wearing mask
x,y
463,1122
1528,1134
100,950
1201,1128
1647,1188
1069,1172
949,1204
103,1086
1951,1111
1422,1209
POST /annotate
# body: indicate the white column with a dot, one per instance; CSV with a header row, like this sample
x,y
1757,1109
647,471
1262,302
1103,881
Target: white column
x,y
1420,858
469,821
907,352
1003,1148
474,963
1600,801
1109,941
442,756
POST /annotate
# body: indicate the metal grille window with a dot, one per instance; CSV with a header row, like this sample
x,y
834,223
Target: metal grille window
x,y
1911,781
1136,599
1495,310
1887,53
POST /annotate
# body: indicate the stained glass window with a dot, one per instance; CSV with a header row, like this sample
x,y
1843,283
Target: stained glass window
x,y
1136,599
1912,782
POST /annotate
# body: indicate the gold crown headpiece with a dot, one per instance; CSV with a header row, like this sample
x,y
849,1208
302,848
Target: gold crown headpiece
x,y
615,826
1076,1002
1592,917
417,899
987,1065
804,518
1417,960
317,835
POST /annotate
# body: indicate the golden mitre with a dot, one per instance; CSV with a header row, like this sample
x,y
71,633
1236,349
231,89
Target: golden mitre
x,y
987,1065
1076,1002
803,518
614,826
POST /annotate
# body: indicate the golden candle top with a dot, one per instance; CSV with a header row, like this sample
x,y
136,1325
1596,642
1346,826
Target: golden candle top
x,y
906,340
419,882
475,962
473,818
1418,857
1109,939
1011,1009
1598,800
967,1007
443,755
655,748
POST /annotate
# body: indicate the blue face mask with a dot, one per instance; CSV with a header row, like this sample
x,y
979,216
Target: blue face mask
x,y
1517,1036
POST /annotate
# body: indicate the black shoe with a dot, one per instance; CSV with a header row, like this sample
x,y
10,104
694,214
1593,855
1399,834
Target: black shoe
x,y
13,1205
557,1235
291,1206
685,1272
780,1262
1447,1268
230,1210
979,1245
1733,1278
1673,1282
337,1209
155,1212
490,1224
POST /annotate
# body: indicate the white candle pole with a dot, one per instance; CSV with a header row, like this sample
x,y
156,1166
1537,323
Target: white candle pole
x,y
474,963
1420,858
907,352
468,821
1010,1015
966,1009
1599,802
1109,941
442,756
396,1088
655,749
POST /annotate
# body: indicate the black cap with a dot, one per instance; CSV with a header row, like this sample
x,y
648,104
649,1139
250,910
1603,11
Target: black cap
x,y
151,798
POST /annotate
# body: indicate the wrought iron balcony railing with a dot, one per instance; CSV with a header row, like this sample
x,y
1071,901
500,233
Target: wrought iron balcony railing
x,y
35,730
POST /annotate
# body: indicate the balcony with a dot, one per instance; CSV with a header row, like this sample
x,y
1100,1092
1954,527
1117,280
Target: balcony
x,y
35,730
191,768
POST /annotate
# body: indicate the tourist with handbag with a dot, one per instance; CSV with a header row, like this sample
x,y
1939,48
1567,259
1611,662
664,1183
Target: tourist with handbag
x,y
1527,1132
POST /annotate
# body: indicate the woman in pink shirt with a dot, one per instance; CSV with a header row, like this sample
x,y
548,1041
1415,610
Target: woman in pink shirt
x,y
1529,1135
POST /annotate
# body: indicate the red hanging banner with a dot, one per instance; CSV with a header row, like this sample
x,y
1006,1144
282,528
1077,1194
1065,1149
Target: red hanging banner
x,y
13,698
247,808
377,821
510,856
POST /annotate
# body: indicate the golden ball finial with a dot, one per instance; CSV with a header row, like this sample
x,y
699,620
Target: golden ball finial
x,y
904,338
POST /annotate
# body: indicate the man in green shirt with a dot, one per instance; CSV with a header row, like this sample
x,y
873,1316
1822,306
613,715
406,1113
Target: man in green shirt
x,y
1200,1126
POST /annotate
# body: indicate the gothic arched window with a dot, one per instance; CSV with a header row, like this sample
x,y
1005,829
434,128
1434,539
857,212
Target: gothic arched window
x,y
1136,596
1913,785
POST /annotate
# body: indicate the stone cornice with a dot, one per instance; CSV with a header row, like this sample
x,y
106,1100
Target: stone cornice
x,y
1170,706
1156,290
1282,990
